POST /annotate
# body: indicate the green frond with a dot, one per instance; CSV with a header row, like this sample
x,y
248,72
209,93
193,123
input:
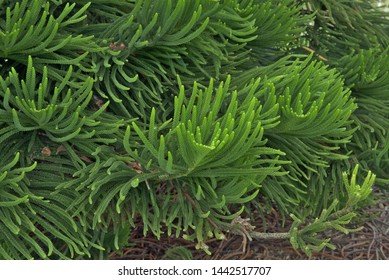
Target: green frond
x,y
180,117
367,74
27,215
184,157
342,26
60,114
333,216
29,29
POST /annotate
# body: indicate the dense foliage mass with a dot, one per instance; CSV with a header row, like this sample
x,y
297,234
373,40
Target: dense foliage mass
x,y
182,116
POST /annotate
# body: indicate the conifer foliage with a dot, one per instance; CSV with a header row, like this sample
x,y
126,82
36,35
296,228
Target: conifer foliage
x,y
182,116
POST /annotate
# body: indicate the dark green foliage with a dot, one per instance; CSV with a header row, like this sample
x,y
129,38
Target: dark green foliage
x,y
342,26
179,116
32,28
367,75
178,253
